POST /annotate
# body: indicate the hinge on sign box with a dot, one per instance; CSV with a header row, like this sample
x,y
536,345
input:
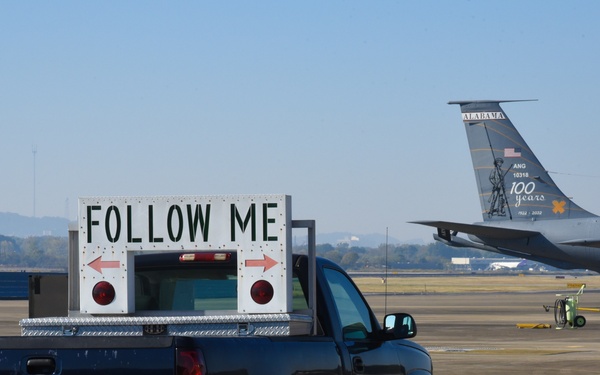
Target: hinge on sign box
x,y
70,331
245,329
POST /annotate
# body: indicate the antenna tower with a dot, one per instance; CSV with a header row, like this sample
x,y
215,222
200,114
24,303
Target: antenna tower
x,y
34,152
386,273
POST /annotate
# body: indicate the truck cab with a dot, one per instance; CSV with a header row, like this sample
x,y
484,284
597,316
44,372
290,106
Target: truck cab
x,y
174,282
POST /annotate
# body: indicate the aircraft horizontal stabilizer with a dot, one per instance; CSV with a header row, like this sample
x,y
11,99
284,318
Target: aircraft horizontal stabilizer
x,y
461,242
479,230
586,242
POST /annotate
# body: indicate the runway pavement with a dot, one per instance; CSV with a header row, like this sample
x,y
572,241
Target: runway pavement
x,y
10,314
477,333
472,333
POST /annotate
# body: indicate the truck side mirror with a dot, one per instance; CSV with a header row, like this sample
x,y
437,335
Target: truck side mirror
x,y
400,326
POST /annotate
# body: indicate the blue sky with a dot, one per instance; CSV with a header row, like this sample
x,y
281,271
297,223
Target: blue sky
x,y
342,105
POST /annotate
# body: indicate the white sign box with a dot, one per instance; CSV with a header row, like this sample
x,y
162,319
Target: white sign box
x,y
258,227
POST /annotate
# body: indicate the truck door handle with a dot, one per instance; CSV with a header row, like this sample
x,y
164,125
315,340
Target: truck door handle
x,y
41,365
358,365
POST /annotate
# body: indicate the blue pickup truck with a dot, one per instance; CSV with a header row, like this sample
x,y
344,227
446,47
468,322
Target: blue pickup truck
x,y
196,285
348,337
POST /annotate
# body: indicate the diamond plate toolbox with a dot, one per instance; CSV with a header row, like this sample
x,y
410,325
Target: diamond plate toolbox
x,y
211,325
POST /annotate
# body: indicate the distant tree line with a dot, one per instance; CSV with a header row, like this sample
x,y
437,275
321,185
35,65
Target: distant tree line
x,y
433,256
50,252
44,252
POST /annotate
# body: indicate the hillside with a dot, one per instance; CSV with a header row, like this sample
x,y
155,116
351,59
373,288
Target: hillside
x,y
15,225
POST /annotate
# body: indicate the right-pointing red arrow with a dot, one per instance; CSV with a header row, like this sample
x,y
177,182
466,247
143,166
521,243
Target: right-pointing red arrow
x,y
266,262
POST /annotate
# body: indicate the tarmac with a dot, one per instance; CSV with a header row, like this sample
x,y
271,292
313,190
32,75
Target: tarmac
x,y
478,334
471,333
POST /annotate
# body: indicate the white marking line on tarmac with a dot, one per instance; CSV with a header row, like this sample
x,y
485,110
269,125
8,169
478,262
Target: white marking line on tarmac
x,y
456,349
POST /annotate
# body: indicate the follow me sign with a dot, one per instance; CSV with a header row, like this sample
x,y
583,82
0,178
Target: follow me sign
x,y
163,220
258,227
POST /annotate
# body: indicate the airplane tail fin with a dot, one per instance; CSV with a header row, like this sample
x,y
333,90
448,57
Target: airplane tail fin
x,y
512,183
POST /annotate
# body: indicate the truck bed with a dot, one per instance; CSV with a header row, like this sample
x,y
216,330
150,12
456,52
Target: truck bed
x,y
159,355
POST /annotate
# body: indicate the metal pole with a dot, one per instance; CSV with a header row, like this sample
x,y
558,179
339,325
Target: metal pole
x,y
34,151
312,266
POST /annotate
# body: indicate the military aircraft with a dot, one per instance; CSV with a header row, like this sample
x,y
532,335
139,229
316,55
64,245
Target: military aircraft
x,y
525,214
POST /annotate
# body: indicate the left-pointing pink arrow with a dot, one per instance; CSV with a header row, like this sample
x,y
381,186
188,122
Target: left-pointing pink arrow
x,y
98,264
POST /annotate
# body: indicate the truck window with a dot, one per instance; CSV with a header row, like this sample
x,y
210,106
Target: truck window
x,y
194,289
352,311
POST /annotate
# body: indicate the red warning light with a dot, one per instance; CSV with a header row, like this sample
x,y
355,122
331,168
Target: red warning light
x,y
190,362
103,293
261,292
205,257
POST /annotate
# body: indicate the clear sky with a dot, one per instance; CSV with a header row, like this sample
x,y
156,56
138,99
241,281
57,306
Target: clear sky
x,y
340,104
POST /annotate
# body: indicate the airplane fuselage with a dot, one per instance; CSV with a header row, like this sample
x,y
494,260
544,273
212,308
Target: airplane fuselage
x,y
551,244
